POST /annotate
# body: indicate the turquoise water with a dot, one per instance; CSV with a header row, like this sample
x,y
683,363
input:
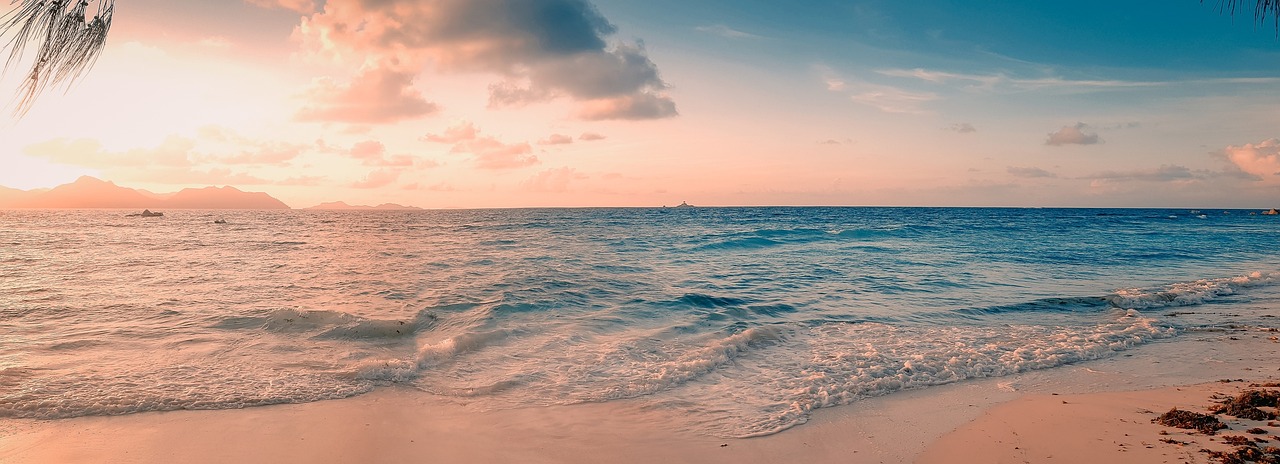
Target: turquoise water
x,y
745,318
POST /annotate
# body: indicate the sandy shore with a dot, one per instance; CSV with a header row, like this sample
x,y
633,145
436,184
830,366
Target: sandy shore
x,y
1093,412
1096,428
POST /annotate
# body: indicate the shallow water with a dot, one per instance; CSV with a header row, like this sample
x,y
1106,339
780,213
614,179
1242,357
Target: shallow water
x,y
745,318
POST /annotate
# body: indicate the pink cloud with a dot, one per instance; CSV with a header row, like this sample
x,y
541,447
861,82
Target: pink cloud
x,y
378,178
438,187
553,180
252,151
368,150
301,6
1072,135
378,94
374,153
641,106
278,154
1031,172
1261,159
304,181
188,176
404,161
489,152
462,131
556,139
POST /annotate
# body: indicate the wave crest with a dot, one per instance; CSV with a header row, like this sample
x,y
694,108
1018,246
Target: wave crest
x,y
1189,293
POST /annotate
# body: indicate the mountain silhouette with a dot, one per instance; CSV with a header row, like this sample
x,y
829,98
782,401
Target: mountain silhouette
x,y
222,198
343,206
90,192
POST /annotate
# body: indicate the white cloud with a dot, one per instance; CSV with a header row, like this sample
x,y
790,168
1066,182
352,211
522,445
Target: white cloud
x,y
886,98
893,100
999,81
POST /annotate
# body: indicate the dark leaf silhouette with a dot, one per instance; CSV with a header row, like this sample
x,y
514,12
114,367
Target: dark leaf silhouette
x,y
1262,9
65,40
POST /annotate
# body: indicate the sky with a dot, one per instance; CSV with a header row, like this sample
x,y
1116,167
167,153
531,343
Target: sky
x,y
531,103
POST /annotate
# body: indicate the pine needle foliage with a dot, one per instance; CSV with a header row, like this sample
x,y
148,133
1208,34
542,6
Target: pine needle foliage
x,y
1262,9
65,40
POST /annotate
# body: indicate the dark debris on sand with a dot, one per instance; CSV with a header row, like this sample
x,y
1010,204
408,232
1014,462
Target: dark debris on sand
x,y
1245,405
1242,406
1205,423
1246,454
1237,440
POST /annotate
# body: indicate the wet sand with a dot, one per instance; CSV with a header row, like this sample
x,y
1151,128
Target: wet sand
x,y
1093,412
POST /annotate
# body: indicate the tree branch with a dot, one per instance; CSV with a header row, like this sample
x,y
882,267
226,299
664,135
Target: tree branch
x,y
66,40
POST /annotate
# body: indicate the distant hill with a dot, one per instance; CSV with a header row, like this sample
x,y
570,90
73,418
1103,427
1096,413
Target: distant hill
x,y
86,192
10,196
89,192
342,206
150,194
222,198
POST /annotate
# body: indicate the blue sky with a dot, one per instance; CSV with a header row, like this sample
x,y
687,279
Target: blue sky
x,y
1146,35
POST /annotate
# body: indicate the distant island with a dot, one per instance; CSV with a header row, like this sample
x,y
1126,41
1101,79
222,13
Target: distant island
x,y
343,206
90,192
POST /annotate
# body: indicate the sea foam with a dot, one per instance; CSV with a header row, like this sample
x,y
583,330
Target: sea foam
x,y
1189,293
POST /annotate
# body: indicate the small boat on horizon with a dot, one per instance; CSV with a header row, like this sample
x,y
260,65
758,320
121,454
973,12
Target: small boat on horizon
x,y
684,205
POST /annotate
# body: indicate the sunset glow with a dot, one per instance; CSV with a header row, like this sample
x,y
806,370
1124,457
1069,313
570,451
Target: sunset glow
x,y
636,232
503,103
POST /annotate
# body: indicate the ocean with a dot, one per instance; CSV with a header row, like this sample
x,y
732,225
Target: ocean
x,y
744,320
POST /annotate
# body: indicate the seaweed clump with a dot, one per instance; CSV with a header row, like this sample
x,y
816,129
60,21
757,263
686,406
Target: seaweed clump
x,y
1245,405
1247,454
1205,423
1237,440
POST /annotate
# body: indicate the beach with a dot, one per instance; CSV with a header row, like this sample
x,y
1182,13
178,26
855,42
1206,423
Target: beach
x,y
1099,411
622,335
